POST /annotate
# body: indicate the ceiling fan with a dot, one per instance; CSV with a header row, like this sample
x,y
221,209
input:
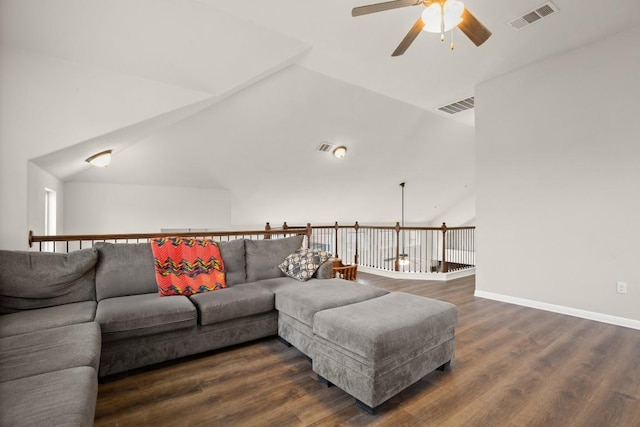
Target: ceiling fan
x,y
438,16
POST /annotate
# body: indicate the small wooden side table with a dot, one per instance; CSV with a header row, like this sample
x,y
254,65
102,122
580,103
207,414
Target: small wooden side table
x,y
345,271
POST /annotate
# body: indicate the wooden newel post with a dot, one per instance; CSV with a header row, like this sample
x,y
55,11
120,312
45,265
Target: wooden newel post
x,y
336,228
284,225
309,231
267,228
356,257
445,266
397,263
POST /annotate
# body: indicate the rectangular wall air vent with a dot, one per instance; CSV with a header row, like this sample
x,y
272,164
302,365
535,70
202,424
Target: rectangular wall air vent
x,y
456,107
533,16
325,147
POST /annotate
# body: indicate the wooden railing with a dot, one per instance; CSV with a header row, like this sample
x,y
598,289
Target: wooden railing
x,y
392,248
67,243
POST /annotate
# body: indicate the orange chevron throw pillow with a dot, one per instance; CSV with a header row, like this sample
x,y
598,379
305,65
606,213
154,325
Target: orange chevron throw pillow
x,y
186,266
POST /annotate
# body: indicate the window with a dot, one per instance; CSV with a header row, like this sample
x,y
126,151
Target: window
x,y
49,217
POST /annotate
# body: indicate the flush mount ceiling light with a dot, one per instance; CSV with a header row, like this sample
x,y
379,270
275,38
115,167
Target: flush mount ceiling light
x,y
101,159
340,151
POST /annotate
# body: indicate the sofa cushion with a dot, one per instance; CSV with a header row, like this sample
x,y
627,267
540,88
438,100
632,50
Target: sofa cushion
x,y
278,284
234,265
124,269
263,256
50,350
60,398
187,266
303,263
38,319
232,303
138,315
325,271
30,280
303,302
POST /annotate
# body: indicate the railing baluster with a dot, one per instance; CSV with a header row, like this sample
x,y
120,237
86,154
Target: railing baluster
x,y
397,261
445,268
355,238
336,240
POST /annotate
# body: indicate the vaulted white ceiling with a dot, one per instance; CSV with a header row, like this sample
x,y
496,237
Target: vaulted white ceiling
x,y
261,143
178,42
249,89
429,75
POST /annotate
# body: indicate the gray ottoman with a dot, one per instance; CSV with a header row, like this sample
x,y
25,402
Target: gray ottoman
x,y
376,348
297,305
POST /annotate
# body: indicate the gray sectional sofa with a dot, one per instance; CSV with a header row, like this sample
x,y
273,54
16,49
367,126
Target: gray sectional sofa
x,y
49,343
68,319
139,328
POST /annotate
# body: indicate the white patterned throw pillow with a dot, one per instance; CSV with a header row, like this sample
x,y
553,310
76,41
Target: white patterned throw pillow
x,y
302,263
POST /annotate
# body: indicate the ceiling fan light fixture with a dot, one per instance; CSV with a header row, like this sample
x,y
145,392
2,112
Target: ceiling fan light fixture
x,y
438,16
449,14
101,159
340,151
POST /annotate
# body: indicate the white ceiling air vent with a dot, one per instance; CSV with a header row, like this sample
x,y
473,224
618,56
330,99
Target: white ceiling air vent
x,y
533,16
458,106
325,147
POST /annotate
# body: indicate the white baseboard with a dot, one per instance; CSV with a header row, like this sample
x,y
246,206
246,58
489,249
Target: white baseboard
x,y
590,315
418,276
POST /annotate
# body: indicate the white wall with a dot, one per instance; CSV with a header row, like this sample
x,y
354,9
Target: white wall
x,y
462,213
49,104
558,179
38,181
92,208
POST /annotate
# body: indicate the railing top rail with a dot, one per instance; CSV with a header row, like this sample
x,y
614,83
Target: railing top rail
x,y
438,249
136,236
385,227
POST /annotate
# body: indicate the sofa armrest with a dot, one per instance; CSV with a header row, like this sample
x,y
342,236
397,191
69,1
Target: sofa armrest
x,y
325,271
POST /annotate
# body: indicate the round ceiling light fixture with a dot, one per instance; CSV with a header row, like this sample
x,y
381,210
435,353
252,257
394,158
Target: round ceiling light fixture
x,y
340,151
101,159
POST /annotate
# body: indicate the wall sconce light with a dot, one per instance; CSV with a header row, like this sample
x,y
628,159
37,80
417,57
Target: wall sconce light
x,y
101,159
340,151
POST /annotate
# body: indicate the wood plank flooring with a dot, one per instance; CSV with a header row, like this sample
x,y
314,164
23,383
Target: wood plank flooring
x,y
514,366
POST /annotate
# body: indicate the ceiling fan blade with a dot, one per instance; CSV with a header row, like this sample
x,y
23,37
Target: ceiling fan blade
x,y
380,7
409,38
473,28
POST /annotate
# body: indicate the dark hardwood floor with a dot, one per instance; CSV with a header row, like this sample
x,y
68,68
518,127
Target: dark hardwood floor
x,y
514,366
